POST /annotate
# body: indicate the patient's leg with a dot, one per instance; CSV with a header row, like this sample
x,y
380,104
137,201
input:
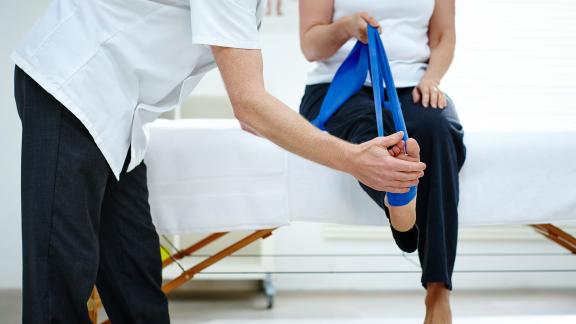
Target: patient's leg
x,y
440,137
403,218
356,122
438,304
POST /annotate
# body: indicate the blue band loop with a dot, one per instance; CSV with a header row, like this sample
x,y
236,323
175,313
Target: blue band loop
x,y
350,78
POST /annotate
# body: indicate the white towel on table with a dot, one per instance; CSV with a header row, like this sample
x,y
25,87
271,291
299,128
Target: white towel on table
x,y
210,176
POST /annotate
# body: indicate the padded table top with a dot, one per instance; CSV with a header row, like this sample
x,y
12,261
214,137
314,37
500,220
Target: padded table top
x,y
210,176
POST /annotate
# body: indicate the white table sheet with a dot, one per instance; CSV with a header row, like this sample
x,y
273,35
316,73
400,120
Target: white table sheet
x,y
210,176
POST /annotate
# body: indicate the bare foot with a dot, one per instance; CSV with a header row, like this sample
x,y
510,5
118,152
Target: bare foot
x,y
403,218
438,304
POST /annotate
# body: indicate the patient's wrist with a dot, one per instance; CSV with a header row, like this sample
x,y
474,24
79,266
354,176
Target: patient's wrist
x,y
346,25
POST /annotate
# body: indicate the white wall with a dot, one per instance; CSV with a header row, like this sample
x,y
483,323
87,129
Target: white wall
x,y
15,18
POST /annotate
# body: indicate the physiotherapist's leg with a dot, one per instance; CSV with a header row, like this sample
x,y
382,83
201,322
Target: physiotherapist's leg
x,y
129,277
440,135
64,177
73,214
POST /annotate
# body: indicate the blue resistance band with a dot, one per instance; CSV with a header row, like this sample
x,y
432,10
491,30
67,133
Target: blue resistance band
x,y
350,78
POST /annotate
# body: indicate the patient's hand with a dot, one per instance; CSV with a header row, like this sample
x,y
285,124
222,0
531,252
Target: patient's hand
x,y
428,92
356,25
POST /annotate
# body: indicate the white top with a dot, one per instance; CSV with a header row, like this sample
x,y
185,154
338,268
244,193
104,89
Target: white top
x,y
202,191
404,34
117,65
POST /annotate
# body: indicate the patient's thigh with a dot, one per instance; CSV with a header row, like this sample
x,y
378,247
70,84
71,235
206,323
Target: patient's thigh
x,y
355,121
427,123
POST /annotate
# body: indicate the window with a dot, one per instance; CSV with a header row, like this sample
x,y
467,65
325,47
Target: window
x,y
515,65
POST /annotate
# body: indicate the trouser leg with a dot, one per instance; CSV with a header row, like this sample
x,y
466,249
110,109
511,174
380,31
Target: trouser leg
x,y
130,273
63,180
440,136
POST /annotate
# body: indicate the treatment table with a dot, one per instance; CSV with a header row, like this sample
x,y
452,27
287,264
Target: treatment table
x,y
209,176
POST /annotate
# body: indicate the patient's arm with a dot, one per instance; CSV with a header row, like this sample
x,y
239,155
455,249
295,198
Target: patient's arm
x,y
442,41
370,162
320,37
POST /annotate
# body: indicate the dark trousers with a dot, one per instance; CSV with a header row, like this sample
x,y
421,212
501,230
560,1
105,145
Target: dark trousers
x,y
440,136
80,226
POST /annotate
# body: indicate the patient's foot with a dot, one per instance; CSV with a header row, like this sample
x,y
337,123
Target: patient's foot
x,y
403,218
437,304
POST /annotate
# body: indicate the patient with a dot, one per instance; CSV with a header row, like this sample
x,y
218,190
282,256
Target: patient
x,y
419,37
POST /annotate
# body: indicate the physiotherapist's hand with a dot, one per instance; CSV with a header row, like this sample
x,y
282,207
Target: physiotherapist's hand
x,y
374,165
357,26
428,93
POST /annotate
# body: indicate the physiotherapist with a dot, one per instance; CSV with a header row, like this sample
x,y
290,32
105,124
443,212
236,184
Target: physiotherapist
x,y
90,75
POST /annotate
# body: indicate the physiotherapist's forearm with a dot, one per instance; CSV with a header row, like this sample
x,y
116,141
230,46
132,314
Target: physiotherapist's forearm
x,y
275,121
257,110
261,113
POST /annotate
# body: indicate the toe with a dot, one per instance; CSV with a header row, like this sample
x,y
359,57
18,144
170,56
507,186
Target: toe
x,y
412,148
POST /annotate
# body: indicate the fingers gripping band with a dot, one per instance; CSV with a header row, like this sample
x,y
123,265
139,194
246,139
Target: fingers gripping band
x,y
349,79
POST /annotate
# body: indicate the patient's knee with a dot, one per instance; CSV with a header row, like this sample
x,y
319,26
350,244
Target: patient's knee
x,y
430,124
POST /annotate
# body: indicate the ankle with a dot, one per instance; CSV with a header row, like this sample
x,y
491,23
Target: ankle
x,y
402,218
402,225
437,293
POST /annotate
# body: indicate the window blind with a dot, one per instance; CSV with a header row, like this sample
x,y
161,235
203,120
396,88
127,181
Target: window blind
x,y
515,65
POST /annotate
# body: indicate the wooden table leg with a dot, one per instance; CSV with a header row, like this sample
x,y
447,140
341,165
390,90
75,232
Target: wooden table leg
x,y
557,235
192,248
188,274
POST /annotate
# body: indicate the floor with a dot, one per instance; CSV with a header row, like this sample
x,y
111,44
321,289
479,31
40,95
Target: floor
x,y
355,307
